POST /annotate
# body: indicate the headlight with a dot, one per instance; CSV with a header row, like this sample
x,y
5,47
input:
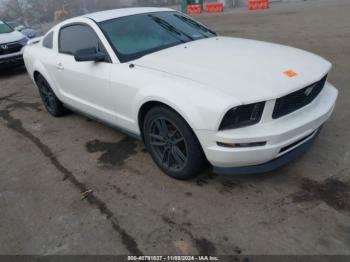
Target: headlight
x,y
242,116
24,41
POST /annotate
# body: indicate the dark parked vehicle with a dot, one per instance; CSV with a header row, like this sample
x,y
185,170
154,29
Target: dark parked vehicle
x,y
27,31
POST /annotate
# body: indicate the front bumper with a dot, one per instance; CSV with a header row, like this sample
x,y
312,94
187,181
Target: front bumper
x,y
11,60
273,164
286,138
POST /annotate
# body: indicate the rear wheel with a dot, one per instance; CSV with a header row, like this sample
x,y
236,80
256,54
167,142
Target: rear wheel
x,y
52,104
172,143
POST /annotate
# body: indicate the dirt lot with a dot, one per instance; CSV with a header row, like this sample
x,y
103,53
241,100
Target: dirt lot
x,y
46,163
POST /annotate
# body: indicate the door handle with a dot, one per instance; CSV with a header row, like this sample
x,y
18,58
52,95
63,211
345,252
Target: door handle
x,y
59,66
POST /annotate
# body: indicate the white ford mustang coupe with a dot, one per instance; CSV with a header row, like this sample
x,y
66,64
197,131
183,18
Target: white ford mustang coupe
x,y
191,96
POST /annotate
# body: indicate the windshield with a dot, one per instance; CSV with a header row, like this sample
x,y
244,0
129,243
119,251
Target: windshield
x,y
135,36
4,28
13,24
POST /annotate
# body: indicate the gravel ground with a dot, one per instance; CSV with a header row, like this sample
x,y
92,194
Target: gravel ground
x,y
303,208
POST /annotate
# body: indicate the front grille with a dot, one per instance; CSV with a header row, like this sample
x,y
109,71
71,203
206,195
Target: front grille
x,y
294,101
10,48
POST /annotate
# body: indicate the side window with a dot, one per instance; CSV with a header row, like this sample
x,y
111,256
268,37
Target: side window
x,y
48,41
78,37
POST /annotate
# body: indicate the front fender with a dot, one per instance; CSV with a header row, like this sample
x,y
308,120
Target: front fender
x,y
202,107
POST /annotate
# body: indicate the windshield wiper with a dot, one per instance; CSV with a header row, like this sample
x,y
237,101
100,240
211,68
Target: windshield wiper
x,y
194,24
170,28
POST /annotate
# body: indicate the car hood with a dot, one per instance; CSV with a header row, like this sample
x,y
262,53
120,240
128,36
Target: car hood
x,y
249,70
11,37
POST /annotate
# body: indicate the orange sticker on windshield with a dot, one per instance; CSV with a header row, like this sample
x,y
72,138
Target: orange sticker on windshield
x,y
290,73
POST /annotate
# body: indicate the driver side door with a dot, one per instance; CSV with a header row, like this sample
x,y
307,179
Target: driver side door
x,y
85,86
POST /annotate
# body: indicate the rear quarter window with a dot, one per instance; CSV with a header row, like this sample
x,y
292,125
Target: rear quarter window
x,y
48,41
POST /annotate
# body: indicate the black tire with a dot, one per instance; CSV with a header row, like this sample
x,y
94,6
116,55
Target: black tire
x,y
176,151
52,104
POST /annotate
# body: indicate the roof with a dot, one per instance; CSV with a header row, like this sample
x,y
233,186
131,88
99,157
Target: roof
x,y
111,14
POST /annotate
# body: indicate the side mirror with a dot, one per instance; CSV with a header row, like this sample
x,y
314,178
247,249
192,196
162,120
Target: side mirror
x,y
89,55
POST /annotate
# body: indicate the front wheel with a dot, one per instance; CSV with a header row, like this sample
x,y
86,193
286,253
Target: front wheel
x,y
172,143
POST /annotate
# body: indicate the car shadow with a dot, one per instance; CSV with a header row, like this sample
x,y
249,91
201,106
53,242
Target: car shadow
x,y
207,176
12,72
